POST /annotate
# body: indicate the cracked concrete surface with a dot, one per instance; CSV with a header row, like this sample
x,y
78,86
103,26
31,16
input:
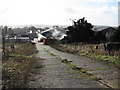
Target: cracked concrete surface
x,y
54,74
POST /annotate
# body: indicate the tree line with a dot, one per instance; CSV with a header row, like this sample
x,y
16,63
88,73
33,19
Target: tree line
x,y
81,31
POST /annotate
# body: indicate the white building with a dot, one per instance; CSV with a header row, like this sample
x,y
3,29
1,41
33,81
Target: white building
x,y
40,36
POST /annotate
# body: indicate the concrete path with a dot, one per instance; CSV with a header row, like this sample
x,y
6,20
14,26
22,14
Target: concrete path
x,y
50,72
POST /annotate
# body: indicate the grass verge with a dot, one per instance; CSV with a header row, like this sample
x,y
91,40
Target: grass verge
x,y
17,65
109,59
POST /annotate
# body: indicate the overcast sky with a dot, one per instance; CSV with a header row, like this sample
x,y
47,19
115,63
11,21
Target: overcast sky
x,y
58,12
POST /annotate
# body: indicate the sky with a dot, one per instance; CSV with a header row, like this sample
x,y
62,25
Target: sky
x,y
58,12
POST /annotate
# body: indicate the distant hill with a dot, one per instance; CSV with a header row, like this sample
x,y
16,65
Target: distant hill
x,y
95,28
39,26
100,28
29,25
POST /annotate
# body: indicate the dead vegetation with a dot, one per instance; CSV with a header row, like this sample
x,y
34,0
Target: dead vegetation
x,y
108,59
17,65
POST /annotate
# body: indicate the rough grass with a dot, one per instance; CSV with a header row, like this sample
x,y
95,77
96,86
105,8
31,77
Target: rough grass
x,y
17,65
110,59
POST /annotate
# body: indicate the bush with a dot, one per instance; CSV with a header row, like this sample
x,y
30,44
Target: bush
x,y
80,32
116,36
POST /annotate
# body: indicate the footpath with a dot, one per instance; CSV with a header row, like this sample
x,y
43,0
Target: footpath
x,y
109,75
52,72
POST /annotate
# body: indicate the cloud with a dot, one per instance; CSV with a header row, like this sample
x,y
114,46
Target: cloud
x,y
58,11
69,10
103,1
104,15
108,10
119,13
